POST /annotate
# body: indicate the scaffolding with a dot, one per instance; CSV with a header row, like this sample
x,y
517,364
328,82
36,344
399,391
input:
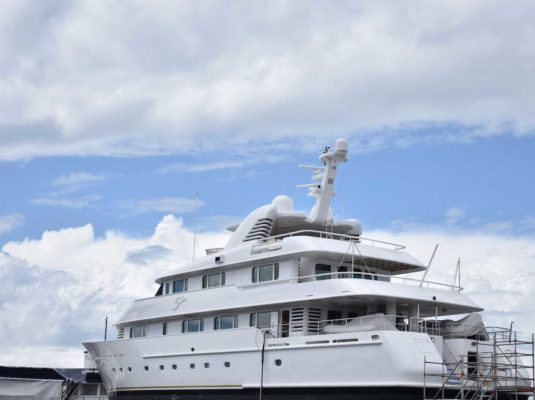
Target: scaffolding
x,y
500,368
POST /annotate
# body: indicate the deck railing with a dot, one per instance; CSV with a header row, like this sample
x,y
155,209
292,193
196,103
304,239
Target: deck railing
x,y
334,236
368,323
360,275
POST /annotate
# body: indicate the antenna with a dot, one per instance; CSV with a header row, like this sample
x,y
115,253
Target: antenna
x,y
457,276
428,265
195,220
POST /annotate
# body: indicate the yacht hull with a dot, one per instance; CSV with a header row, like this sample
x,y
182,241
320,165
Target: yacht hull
x,y
319,393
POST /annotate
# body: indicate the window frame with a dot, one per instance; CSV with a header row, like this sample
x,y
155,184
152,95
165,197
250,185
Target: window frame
x,y
186,325
253,319
218,322
256,273
206,280
134,329
184,285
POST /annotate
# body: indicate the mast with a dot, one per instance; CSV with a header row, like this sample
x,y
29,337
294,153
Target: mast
x,y
324,191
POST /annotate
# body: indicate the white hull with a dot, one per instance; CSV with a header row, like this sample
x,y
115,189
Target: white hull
x,y
363,359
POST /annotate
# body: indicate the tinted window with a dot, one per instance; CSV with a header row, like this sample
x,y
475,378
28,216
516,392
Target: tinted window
x,y
180,285
192,325
323,269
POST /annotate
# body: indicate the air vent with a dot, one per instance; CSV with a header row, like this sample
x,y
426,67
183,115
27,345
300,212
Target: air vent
x,y
260,230
120,333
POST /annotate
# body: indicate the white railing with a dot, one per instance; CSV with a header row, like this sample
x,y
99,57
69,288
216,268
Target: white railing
x,y
335,236
360,275
367,323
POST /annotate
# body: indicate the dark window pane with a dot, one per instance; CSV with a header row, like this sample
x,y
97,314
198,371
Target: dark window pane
x,y
276,275
322,269
252,319
217,322
179,286
227,322
265,273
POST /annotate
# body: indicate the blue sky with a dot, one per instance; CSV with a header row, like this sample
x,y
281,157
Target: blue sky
x,y
489,180
114,115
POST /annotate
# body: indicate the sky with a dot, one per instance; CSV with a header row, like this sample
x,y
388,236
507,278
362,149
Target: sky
x,y
126,126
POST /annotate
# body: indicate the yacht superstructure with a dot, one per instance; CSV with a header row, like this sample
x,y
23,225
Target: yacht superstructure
x,y
301,305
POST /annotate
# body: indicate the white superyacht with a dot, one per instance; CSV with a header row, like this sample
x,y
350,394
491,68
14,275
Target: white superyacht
x,y
302,306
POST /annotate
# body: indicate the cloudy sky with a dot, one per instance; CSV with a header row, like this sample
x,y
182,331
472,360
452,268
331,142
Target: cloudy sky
x,y
125,124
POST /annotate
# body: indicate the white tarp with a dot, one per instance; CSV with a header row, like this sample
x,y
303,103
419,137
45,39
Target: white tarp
x,y
29,389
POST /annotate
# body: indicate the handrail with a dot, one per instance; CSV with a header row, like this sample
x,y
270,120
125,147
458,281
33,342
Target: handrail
x,y
359,275
332,235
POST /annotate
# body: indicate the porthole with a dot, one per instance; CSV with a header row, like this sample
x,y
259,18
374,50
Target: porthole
x,y
129,369
162,367
206,365
174,366
121,369
192,366
278,362
146,367
227,364
193,349
113,369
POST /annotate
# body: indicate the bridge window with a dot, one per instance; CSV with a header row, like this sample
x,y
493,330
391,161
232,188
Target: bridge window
x,y
180,285
265,273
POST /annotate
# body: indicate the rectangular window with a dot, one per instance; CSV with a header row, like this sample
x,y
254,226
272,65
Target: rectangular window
x,y
137,331
167,287
192,325
323,269
226,322
213,280
261,319
265,273
164,328
180,285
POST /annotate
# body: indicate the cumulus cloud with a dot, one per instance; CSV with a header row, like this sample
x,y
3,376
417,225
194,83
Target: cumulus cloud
x,y
497,270
8,222
64,284
257,74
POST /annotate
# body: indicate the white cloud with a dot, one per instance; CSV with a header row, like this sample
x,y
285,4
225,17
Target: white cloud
x,y
178,205
8,222
78,178
206,77
72,202
498,270
66,282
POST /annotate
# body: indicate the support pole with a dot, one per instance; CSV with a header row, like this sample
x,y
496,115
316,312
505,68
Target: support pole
x,y
428,266
106,328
